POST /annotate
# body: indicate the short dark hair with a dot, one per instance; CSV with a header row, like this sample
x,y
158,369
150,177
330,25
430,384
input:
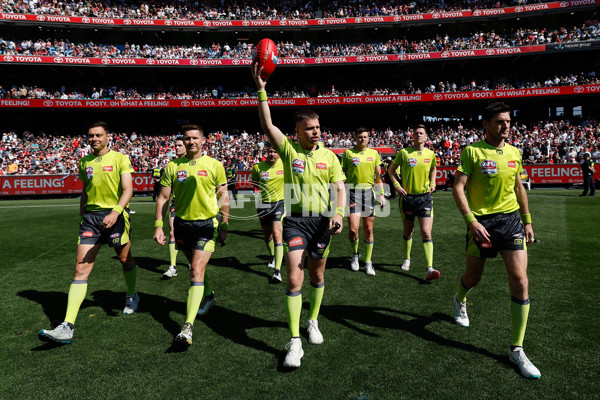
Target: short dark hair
x,y
360,130
98,124
417,126
304,114
191,127
494,108
178,137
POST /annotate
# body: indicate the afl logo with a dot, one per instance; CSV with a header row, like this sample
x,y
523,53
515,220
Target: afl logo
x,y
85,20
360,58
105,61
8,58
150,61
578,89
48,103
355,161
298,166
264,175
127,22
58,60
412,162
168,22
185,103
310,101
489,167
41,18
490,52
437,96
181,175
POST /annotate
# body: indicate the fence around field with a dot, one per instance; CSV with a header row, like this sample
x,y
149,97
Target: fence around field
x,y
27,185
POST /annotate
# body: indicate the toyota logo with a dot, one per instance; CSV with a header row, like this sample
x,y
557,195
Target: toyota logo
x,y
445,54
9,58
194,62
48,103
185,103
41,18
150,61
246,23
518,9
360,58
397,18
105,61
310,101
490,52
358,20
564,4
206,23
318,60
58,60
127,22
402,57
85,20
436,16
321,22
235,61
437,96
578,89
168,22
476,12
283,22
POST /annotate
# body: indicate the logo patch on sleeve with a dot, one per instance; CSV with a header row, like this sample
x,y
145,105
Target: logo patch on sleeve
x,y
321,166
107,168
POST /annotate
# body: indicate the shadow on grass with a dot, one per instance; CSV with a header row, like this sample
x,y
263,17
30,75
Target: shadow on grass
x,y
344,263
252,233
234,263
415,324
158,266
401,273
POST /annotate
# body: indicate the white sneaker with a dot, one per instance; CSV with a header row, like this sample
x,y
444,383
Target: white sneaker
x,y
271,263
314,334
432,274
294,354
369,268
63,333
354,263
527,368
276,278
207,303
185,336
406,265
131,304
171,272
460,313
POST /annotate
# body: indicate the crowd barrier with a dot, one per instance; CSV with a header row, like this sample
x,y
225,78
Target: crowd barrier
x,y
27,185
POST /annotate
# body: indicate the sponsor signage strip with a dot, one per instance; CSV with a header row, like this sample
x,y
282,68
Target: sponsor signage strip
x,y
142,182
291,23
307,101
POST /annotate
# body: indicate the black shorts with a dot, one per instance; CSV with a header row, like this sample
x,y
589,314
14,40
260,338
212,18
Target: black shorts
x,y
310,233
270,212
196,235
506,232
91,233
416,205
361,201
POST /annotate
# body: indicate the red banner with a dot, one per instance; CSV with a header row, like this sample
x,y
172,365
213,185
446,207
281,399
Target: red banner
x,y
306,101
236,62
294,23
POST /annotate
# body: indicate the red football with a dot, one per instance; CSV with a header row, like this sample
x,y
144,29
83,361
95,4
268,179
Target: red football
x,y
265,55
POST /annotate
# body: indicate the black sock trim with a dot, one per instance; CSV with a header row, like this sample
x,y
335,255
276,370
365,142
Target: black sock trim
x,y
519,301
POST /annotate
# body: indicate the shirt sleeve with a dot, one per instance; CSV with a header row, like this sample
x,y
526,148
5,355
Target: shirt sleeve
x,y
345,160
82,174
336,169
255,176
398,159
167,177
125,165
285,149
220,178
466,162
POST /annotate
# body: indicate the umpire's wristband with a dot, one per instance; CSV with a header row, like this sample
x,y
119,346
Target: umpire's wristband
x,y
118,209
158,223
469,218
340,211
526,218
262,95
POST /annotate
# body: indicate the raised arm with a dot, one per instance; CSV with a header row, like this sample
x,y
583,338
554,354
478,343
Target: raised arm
x,y
273,133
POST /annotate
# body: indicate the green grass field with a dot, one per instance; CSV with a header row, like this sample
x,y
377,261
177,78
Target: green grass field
x,y
390,336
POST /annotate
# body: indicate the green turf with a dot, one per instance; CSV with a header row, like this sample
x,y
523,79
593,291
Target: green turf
x,y
386,337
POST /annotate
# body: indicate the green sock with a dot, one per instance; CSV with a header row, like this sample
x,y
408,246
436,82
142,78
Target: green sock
x,y
172,253
407,246
368,251
76,295
315,294
293,307
354,244
278,255
207,288
130,279
194,299
462,292
519,311
428,250
270,247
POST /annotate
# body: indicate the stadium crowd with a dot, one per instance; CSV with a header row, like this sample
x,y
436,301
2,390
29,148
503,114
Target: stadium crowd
x,y
555,142
245,10
106,92
477,40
